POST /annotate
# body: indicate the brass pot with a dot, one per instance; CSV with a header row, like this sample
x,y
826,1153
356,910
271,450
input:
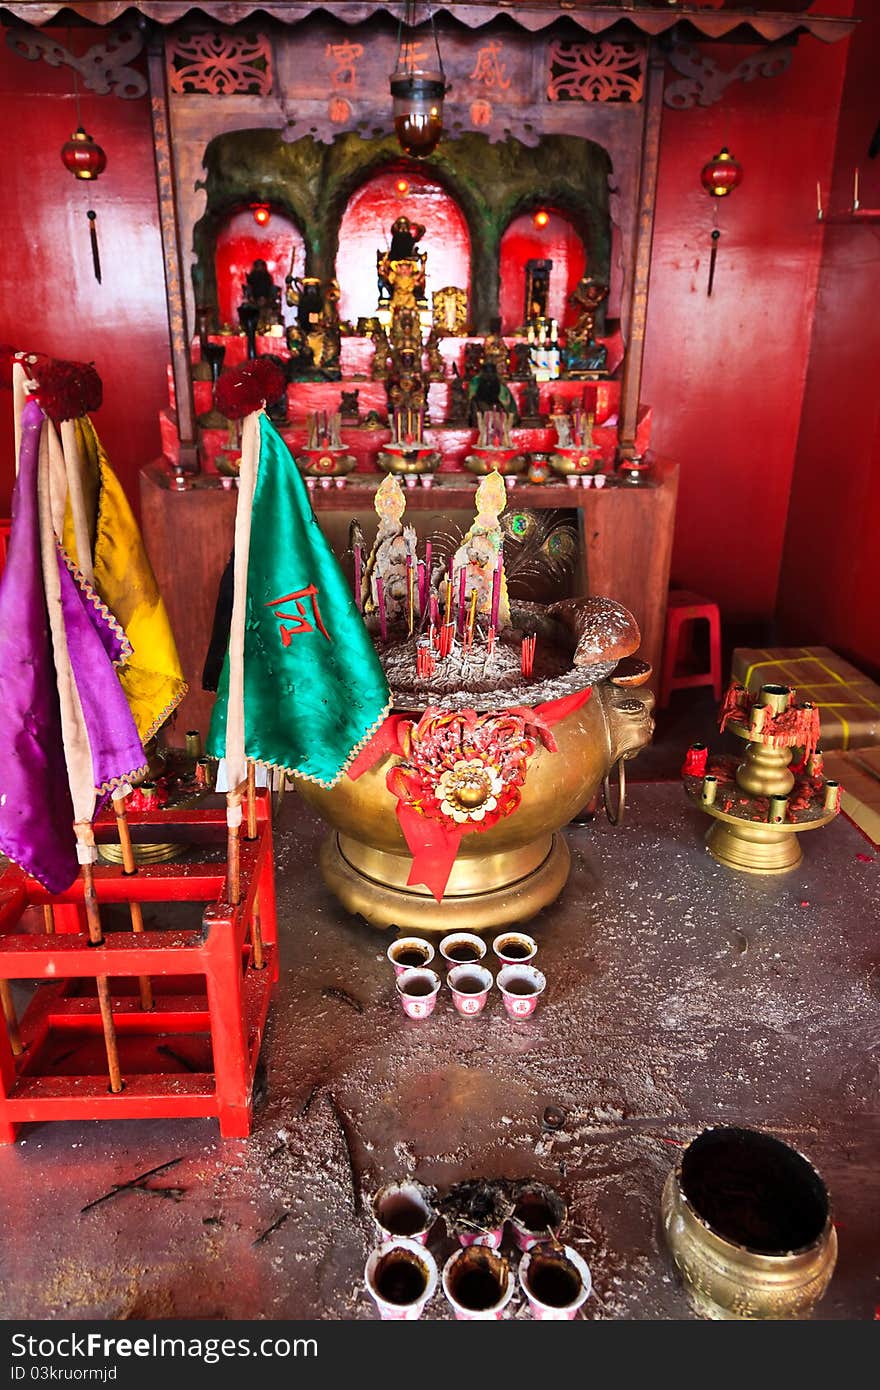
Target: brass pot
x,y
504,461
407,462
747,1220
502,875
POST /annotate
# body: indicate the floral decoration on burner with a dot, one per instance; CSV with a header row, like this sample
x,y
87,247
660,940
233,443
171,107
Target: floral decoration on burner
x,y
466,769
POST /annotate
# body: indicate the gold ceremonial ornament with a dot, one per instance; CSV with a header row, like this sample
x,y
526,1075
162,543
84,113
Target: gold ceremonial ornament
x,y
741,837
502,875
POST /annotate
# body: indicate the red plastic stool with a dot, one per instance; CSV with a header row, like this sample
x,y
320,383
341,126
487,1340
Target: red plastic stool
x,y
683,608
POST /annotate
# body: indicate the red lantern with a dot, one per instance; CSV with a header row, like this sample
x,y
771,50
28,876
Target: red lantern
x,y
721,175
83,156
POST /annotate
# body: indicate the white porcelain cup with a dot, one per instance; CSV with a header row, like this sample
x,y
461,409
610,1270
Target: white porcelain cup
x,y
401,1276
556,1282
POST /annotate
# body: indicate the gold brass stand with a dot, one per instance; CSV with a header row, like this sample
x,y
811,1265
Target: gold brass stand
x,y
372,884
739,840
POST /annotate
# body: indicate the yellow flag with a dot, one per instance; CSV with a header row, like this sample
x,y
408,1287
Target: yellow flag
x,y
152,678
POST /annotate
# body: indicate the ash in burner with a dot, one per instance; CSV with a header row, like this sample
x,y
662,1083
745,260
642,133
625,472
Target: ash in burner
x,y
539,1209
754,1190
478,1206
486,680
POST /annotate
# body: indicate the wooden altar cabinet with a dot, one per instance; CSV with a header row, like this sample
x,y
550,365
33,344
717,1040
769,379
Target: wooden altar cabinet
x,y
625,535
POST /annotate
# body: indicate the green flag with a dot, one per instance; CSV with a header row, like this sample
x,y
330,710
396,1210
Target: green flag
x,y
301,686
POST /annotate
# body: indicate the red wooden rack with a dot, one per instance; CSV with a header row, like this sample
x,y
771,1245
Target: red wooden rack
x,y
195,1051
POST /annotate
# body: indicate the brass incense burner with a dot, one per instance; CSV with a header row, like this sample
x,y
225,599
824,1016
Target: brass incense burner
x,y
758,805
505,874
748,1224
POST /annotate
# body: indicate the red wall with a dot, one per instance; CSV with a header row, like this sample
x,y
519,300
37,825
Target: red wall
x,y
557,242
830,583
240,242
366,229
49,298
726,374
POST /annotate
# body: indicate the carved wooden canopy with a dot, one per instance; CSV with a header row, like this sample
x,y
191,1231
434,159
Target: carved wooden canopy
x,y
533,15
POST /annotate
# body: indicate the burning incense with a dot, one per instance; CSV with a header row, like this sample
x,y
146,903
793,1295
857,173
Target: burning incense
x,y
422,589
527,660
410,595
496,592
462,583
472,618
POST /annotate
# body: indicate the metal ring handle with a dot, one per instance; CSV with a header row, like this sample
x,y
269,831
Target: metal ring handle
x,y
616,818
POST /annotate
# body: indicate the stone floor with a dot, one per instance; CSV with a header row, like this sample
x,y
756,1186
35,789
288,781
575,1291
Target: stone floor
x,y
679,995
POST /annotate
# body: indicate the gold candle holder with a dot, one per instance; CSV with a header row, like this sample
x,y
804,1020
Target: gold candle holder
x,y
742,835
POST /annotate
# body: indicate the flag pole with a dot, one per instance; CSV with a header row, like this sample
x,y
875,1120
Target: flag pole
x,y
233,844
256,929
11,1020
77,751
129,866
87,854
236,757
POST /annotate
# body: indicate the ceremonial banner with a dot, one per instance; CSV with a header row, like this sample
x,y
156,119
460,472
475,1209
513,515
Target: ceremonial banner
x,y
67,733
120,569
301,686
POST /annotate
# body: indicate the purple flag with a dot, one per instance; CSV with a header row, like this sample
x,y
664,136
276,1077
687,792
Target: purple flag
x,y
36,807
95,644
36,812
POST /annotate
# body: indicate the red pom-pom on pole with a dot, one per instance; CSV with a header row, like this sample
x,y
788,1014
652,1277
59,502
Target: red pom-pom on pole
x,y
67,390
244,389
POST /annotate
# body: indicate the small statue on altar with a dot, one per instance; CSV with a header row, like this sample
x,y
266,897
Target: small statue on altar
x,y
436,364
495,349
260,290
521,362
406,387
458,399
406,331
588,297
387,560
480,551
486,391
305,294
473,359
405,237
582,353
331,332
348,407
405,280
381,353
531,404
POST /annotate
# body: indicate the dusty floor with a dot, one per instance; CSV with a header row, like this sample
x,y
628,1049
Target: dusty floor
x,y
679,995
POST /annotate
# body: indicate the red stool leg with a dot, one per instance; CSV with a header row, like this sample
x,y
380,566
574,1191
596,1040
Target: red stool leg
x,y
715,651
232,1077
7,1081
674,621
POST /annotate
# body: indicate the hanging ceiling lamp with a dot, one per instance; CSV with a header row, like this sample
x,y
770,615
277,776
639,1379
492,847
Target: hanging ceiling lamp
x,y
417,90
